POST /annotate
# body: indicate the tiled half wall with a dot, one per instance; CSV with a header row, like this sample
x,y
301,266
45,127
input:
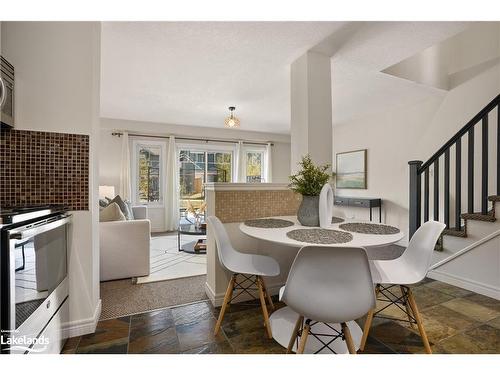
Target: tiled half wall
x,y
238,206
39,168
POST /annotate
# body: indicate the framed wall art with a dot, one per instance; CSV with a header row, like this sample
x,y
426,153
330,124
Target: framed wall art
x,y
351,170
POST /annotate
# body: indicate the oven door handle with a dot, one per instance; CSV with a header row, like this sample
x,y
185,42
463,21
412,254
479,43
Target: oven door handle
x,y
3,93
44,226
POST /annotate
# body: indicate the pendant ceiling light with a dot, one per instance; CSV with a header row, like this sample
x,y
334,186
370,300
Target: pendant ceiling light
x,y
232,121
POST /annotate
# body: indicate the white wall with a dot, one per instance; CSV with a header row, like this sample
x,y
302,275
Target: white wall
x,y
57,89
412,133
109,154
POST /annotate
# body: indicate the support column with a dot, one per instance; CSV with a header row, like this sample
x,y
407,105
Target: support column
x,y
311,109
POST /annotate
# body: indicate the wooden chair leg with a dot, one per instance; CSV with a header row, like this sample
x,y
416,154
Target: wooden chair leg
x,y
407,306
303,339
368,322
268,296
366,329
264,307
418,318
295,332
227,299
348,338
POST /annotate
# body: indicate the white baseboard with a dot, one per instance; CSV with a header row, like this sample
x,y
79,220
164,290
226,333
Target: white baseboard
x,y
473,286
217,299
211,295
84,326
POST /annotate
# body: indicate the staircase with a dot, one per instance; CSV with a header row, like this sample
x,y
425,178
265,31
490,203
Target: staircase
x,y
460,186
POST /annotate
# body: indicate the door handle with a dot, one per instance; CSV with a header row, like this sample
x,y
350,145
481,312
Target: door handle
x,y
16,236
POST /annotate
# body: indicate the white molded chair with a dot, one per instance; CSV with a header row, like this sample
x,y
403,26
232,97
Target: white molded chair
x,y
328,285
410,268
252,267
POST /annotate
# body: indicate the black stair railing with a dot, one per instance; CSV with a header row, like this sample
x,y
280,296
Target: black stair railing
x,y
417,168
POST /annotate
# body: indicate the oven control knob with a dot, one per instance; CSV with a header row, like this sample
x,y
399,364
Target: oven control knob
x,y
48,304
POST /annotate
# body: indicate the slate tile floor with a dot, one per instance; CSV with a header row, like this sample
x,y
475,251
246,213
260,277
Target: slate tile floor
x,y
456,321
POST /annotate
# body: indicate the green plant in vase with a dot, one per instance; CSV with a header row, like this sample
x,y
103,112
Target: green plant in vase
x,y
308,182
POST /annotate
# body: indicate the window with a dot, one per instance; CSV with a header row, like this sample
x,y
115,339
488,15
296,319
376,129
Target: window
x,y
255,166
198,167
148,172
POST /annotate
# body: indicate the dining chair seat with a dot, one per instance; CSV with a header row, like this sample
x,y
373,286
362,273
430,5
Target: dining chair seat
x,y
396,271
282,290
328,286
253,264
393,280
249,268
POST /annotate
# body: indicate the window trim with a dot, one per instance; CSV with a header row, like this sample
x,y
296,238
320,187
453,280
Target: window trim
x,y
136,143
202,147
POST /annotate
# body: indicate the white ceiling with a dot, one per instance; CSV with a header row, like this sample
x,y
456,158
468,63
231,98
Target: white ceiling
x,y
188,73
360,89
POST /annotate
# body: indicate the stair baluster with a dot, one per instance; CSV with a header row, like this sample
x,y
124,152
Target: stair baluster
x,y
484,169
447,188
436,190
426,195
458,184
470,173
498,149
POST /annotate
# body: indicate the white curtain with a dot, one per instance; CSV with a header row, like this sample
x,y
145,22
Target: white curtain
x,y
240,163
125,178
172,187
269,163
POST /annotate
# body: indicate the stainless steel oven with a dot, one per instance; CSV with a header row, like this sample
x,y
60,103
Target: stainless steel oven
x,y
34,282
6,94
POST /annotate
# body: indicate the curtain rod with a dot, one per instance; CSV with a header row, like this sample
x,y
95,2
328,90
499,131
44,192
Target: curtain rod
x,y
206,140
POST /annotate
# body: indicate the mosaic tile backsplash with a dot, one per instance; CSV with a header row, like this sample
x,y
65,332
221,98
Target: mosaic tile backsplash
x,y
238,206
38,168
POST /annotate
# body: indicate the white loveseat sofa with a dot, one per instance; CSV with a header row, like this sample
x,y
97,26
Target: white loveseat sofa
x,y
124,246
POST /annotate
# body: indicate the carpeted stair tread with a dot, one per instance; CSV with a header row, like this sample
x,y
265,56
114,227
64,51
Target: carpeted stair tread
x,y
494,198
479,216
455,233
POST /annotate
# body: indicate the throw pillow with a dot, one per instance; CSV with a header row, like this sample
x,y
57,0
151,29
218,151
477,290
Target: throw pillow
x,y
111,213
130,210
123,207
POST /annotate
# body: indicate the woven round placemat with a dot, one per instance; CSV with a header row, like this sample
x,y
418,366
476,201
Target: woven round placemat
x,y
336,220
369,228
319,236
269,223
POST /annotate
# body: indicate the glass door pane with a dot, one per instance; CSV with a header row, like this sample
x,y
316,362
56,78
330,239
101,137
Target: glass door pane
x,y
148,170
219,166
192,178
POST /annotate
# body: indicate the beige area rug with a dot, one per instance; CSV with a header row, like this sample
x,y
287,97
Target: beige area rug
x,y
122,298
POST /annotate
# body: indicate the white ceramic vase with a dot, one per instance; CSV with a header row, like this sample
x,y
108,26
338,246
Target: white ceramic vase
x,y
325,206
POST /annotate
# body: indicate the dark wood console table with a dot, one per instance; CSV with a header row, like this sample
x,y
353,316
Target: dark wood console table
x,y
361,202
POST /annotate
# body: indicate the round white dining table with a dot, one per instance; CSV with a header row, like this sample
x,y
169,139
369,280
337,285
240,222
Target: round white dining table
x,y
283,320
278,235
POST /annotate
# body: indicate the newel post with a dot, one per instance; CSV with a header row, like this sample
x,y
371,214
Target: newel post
x,y
415,197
